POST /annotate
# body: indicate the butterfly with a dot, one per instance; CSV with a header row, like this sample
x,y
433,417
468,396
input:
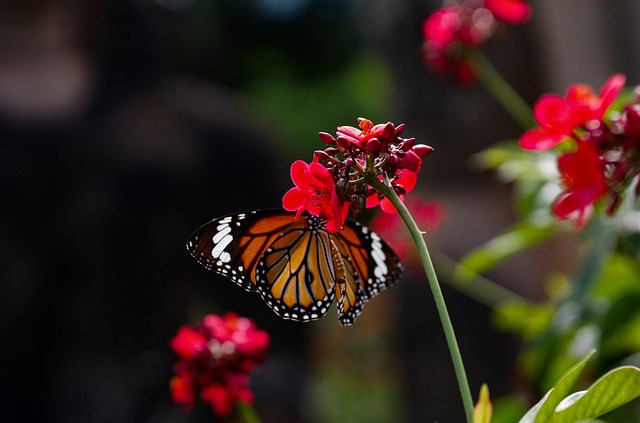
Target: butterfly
x,y
295,264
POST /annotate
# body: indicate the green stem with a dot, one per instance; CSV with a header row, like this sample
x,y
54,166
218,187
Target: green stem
x,y
247,413
504,92
432,278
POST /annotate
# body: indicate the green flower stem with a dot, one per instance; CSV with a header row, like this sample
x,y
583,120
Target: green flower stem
x,y
504,92
247,413
432,278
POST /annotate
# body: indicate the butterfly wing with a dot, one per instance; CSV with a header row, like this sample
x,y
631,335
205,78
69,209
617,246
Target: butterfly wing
x,y
232,245
296,265
296,275
349,290
371,267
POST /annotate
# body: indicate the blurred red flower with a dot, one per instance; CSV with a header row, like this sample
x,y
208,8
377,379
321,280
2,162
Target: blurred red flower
x,y
583,177
509,11
216,357
559,118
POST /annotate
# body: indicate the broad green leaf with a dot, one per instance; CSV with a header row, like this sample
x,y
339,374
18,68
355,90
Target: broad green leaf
x,y
612,390
533,412
542,411
561,390
516,239
483,410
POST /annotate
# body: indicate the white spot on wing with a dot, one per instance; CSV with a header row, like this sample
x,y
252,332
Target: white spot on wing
x,y
220,247
223,230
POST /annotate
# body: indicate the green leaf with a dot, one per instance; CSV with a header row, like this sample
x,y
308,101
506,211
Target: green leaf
x,y
612,390
533,412
516,239
561,390
544,409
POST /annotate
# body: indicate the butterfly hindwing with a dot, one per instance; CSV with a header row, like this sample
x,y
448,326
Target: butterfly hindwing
x,y
376,265
295,276
295,264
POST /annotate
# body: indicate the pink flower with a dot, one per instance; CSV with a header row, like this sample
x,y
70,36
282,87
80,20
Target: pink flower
x,y
509,11
559,118
583,176
315,192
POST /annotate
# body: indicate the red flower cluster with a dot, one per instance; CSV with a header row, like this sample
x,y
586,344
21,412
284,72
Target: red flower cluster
x,y
216,357
453,32
335,181
604,154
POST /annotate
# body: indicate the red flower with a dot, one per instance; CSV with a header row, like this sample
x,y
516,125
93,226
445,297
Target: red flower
x,y
509,11
338,180
583,176
315,192
182,388
223,396
405,182
428,215
559,118
216,357
448,35
189,343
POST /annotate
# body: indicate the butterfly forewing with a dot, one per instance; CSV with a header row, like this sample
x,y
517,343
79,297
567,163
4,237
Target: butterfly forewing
x,y
233,244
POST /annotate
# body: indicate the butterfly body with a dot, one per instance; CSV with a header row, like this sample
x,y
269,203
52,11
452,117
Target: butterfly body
x,y
295,264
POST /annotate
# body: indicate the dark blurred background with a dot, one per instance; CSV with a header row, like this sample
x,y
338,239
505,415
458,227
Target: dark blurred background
x,y
126,124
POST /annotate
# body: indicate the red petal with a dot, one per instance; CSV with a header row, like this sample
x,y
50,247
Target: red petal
x,y
610,91
407,179
298,172
295,199
540,140
321,176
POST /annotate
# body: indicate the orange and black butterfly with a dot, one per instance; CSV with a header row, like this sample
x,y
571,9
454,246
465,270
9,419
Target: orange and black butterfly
x,y
295,264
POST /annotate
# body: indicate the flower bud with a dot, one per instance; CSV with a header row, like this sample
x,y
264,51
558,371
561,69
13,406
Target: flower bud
x,y
407,144
632,122
373,145
410,161
343,142
399,129
394,159
321,155
327,138
422,150
388,132
342,187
